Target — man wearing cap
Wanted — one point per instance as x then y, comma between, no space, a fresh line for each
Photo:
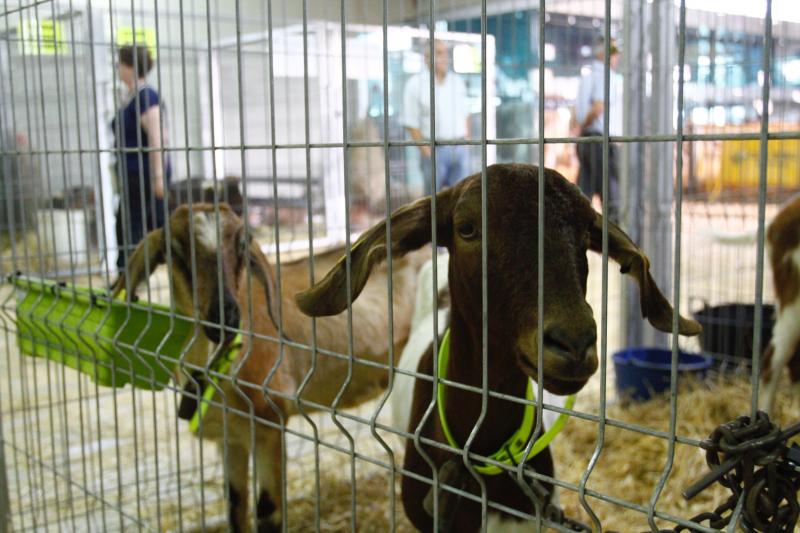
589,109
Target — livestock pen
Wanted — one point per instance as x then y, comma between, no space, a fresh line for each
293,113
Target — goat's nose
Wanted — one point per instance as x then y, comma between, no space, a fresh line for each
572,344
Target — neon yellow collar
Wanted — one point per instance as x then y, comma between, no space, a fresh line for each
512,452
223,366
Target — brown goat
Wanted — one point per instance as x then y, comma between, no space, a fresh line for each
783,247
570,358
263,385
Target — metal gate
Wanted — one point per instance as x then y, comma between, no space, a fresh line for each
299,108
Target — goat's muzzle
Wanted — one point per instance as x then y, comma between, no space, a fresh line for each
572,345
569,358
226,333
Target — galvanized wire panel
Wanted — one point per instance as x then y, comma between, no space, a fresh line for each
298,108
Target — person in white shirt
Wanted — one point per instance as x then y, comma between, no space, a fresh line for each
452,118
589,109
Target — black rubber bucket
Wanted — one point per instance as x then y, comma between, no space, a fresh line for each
728,329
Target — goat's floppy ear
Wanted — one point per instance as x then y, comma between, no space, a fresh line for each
633,261
259,266
411,229
139,262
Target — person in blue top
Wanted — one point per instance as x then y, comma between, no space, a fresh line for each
142,172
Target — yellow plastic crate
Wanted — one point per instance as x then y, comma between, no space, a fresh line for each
740,159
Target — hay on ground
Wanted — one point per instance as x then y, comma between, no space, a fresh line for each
631,464
629,468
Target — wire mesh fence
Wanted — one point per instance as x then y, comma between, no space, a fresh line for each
212,319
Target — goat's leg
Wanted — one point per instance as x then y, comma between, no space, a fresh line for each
785,338
236,459
268,472
769,380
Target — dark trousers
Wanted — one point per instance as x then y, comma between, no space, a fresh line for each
590,176
133,224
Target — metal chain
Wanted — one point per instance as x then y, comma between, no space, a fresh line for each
751,458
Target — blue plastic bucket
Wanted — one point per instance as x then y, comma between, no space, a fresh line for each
643,372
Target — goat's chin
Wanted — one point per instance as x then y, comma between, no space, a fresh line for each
556,382
563,388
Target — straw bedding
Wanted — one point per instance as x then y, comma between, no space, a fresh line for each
631,464
628,468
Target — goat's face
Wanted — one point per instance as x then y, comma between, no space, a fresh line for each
208,257
571,228
570,332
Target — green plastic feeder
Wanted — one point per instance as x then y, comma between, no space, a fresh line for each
110,340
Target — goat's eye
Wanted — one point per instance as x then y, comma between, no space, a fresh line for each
467,230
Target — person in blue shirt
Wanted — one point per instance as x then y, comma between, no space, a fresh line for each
142,171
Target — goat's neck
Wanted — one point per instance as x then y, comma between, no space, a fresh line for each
466,366
294,325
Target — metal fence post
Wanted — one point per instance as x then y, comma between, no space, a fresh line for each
104,189
657,180
5,514
8,168
647,181
632,170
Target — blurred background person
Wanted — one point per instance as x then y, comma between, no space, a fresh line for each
452,118
141,172
589,110
20,191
